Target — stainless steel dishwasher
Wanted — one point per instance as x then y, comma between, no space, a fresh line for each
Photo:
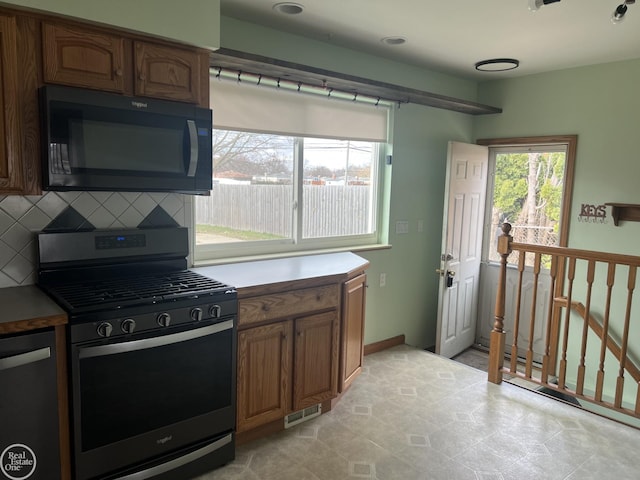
29,435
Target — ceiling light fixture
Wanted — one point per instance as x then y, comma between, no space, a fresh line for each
393,40
534,5
620,11
497,65
288,8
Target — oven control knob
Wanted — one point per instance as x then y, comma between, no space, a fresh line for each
104,329
196,314
128,325
215,311
164,319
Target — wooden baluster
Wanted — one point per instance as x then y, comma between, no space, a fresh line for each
548,359
516,323
611,275
532,320
571,275
496,348
591,268
553,320
631,285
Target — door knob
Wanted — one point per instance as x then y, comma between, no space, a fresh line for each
442,272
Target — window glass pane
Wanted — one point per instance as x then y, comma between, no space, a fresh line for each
527,193
257,205
252,195
339,186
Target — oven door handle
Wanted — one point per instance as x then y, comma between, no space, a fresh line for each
124,347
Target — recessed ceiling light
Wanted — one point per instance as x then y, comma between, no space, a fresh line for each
288,8
497,64
394,40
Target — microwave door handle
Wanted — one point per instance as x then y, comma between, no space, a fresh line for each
193,150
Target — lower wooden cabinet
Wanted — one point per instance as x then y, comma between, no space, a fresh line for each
278,375
315,369
264,370
297,347
352,343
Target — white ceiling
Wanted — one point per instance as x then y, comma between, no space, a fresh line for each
452,35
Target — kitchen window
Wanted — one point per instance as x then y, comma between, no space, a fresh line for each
291,172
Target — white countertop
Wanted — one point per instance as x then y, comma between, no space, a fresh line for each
267,272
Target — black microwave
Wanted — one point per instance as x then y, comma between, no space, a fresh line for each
102,141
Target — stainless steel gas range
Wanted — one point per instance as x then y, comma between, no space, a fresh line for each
151,353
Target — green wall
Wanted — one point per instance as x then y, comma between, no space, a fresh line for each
195,22
601,105
408,303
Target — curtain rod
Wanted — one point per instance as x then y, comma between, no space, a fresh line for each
258,79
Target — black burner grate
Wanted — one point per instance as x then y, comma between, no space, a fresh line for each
143,289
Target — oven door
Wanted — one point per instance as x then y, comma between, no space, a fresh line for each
151,394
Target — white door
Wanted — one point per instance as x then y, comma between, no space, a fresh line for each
465,192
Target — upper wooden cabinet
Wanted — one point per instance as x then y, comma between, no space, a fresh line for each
19,134
11,176
83,58
103,60
168,72
37,49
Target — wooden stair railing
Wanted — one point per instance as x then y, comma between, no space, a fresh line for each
561,264
596,327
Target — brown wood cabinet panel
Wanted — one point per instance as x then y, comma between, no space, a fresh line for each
352,343
286,304
316,359
30,54
168,72
11,167
264,372
83,57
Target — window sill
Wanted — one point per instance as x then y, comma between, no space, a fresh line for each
250,258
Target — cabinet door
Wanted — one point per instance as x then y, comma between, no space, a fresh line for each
168,72
83,58
316,359
353,305
11,173
264,360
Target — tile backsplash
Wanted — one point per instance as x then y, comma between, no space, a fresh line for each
21,217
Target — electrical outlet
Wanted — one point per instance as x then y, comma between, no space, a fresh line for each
383,279
420,225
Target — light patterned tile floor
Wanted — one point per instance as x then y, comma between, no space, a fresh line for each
413,415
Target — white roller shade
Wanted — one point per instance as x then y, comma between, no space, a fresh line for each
248,107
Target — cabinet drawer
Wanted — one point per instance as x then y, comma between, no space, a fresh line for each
287,304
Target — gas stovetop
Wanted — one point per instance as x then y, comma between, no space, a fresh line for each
113,270
79,296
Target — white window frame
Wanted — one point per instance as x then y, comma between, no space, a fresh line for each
224,252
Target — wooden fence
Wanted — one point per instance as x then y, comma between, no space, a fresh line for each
328,210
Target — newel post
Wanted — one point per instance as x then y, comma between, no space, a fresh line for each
496,347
